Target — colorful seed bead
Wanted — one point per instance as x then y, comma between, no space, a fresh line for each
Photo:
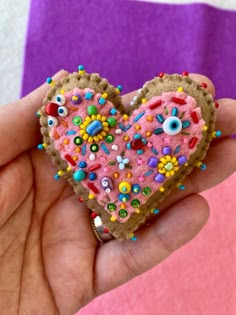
125,117
155,211
94,147
180,89
79,175
149,118
92,110
124,187
124,197
82,164
147,191
126,138
129,175
78,140
162,189
123,213
135,203
91,196
111,207
109,138
123,206
137,127
116,175
136,188
111,121
113,219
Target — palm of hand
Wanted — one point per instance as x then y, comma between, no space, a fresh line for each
49,257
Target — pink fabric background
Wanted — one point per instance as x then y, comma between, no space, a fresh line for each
198,279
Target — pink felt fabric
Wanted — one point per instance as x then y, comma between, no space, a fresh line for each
198,279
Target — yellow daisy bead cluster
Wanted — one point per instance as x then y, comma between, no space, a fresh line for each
98,136
168,165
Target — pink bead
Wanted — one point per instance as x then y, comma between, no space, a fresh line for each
149,144
141,178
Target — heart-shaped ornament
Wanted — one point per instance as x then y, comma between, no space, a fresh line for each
121,163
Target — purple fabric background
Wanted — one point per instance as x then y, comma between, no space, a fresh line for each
129,42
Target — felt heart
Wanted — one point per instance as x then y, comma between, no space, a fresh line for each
124,165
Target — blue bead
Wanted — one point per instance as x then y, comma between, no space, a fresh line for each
144,141
79,175
119,87
88,95
94,128
56,177
156,211
92,176
128,146
40,147
181,187
137,136
113,111
102,101
123,197
136,188
203,167
218,133
80,67
139,152
49,80
82,164
134,238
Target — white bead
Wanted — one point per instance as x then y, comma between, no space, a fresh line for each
139,91
92,157
135,98
132,103
118,131
114,147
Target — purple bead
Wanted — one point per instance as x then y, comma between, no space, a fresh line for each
166,150
152,161
159,178
78,101
182,159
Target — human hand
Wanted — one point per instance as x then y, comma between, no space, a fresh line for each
50,261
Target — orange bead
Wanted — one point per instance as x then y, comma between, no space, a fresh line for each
116,175
126,138
148,134
66,141
128,175
137,127
149,118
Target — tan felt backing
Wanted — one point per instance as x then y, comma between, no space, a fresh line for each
151,88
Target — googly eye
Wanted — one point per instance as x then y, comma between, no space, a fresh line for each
172,126
108,190
52,121
62,111
60,99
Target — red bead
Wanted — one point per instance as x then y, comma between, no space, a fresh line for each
155,104
185,74
51,109
161,74
94,167
194,117
192,142
93,188
70,160
204,85
137,144
217,105
106,230
93,215
179,101
80,199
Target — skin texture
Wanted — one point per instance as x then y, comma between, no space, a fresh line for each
50,261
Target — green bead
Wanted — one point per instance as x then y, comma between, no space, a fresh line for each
92,110
109,138
79,175
135,203
111,121
111,207
123,213
77,120
78,140
94,147
146,191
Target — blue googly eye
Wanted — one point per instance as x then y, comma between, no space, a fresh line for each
52,121
62,111
60,99
172,126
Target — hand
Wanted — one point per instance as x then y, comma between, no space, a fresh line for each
50,261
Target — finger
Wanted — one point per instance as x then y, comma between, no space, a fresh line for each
19,126
127,259
221,163
69,248
127,98
11,194
226,117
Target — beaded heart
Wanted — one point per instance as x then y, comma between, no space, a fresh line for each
123,165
